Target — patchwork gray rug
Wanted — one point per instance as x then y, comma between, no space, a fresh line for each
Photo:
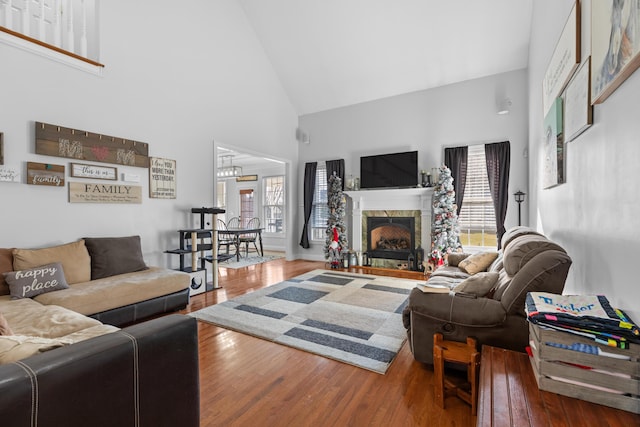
353,318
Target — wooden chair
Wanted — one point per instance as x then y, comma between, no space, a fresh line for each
233,222
224,239
456,352
250,237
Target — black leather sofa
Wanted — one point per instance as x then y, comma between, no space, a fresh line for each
145,375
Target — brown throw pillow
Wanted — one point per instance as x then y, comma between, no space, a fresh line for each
479,284
114,255
35,281
6,264
478,262
73,257
5,329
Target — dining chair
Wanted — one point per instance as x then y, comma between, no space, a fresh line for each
233,222
250,237
224,239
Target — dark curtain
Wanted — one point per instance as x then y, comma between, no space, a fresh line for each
456,159
336,166
309,187
498,161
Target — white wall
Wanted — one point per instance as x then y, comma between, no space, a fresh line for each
177,76
427,121
595,215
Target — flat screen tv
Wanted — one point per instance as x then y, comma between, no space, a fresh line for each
389,170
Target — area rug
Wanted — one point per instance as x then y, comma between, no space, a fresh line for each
353,318
245,262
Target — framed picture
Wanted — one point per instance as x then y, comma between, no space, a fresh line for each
80,170
615,45
162,178
245,178
553,173
578,111
1,149
564,61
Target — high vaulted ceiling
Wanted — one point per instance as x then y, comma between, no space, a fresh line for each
333,53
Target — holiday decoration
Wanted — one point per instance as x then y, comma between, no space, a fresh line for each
444,230
336,238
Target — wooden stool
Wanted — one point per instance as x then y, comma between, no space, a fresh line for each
456,352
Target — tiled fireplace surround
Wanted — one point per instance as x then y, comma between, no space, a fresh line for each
403,202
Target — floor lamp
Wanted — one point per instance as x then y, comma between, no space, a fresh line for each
519,195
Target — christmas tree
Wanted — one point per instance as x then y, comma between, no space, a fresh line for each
336,238
444,230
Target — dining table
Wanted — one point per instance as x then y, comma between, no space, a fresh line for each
236,233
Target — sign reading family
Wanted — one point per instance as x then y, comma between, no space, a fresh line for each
45,174
104,193
162,178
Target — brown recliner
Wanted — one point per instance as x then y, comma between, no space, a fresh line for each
528,262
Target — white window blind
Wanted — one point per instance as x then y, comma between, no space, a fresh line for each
320,212
477,218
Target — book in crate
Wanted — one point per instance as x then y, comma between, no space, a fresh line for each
612,379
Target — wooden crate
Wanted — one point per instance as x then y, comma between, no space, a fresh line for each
545,363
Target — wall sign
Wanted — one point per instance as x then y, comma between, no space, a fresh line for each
77,144
564,61
578,111
45,174
79,170
162,178
104,193
9,174
615,45
245,178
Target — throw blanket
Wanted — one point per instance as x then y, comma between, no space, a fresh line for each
591,316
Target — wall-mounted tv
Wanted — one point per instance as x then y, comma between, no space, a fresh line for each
389,170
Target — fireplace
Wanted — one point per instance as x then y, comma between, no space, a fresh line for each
390,237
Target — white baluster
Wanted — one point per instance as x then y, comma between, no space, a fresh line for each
41,28
83,36
56,22
8,14
70,35
26,18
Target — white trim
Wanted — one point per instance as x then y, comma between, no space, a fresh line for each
50,54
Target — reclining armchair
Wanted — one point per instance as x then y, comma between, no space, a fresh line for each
528,262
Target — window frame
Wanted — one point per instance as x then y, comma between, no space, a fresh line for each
320,208
281,206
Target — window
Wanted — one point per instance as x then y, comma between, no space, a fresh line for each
320,211
273,203
246,206
477,218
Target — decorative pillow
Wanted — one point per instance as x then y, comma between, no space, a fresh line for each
478,262
454,258
6,264
114,255
479,284
74,258
5,329
35,281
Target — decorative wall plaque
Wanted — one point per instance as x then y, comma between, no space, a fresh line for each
9,174
1,149
45,174
79,170
77,144
162,178
245,178
80,192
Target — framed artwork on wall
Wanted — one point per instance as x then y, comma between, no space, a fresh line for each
615,45
578,111
564,61
1,149
553,149
162,178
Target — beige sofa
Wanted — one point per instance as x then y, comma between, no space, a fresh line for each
491,312
107,279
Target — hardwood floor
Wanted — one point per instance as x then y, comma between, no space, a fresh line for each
248,381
